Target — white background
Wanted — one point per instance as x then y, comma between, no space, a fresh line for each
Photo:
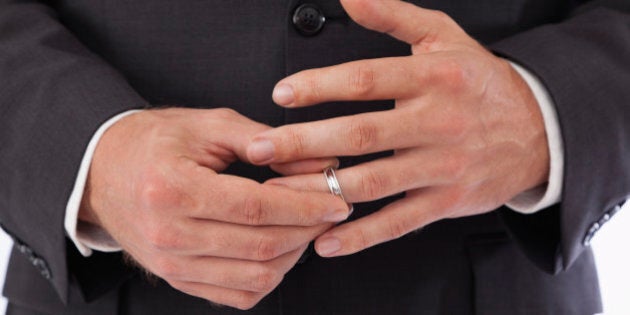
611,251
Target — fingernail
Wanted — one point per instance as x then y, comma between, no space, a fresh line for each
336,216
261,151
283,94
328,246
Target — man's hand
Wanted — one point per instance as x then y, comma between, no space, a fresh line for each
154,186
466,129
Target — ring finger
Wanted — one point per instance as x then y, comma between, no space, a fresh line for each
406,170
237,274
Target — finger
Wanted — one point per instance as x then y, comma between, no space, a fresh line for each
233,273
372,79
225,240
391,222
239,299
402,20
306,166
236,133
221,134
407,170
342,136
233,199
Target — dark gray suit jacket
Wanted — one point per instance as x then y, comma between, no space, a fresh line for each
67,66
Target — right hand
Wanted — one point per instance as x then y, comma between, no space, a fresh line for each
154,186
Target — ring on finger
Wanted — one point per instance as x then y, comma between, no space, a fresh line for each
333,185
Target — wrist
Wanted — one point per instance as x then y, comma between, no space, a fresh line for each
536,160
86,212
78,202
108,147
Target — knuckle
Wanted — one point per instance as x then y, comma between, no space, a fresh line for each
166,268
162,237
373,185
267,248
362,136
309,214
362,81
266,279
297,143
397,228
155,191
151,189
254,210
312,90
452,74
361,239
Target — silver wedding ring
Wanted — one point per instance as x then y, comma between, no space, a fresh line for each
333,185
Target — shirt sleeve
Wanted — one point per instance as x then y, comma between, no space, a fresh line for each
547,194
85,236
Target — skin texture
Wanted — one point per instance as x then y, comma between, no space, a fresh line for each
155,186
466,129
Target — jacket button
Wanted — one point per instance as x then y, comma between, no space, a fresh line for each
591,233
24,249
41,265
308,19
604,219
588,238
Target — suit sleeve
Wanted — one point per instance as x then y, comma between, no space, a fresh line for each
585,64
54,94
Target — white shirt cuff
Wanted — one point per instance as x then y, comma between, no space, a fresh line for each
550,193
85,236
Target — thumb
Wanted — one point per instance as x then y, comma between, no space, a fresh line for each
404,21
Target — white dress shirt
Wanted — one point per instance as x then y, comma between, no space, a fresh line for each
88,237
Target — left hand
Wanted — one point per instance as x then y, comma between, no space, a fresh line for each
467,131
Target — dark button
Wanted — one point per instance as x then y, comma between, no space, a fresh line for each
308,19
